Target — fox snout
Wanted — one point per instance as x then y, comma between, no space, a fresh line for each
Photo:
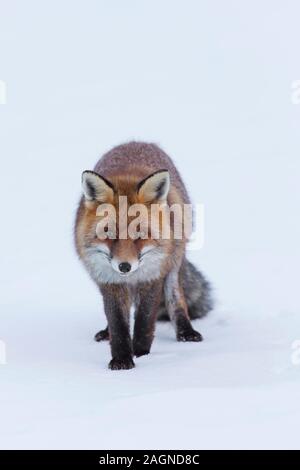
124,267
124,257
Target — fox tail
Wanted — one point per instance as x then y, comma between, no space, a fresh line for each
197,291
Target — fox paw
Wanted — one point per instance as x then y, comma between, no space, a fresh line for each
102,335
121,364
189,335
141,352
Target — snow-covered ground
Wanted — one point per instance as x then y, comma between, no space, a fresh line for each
211,82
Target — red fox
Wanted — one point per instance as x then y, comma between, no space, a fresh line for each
149,272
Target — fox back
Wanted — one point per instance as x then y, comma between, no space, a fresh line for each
140,159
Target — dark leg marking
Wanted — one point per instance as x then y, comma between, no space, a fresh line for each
145,316
117,306
102,335
184,329
177,309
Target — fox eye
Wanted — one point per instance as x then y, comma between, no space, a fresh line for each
141,235
110,234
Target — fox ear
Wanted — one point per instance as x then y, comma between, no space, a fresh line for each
155,186
95,187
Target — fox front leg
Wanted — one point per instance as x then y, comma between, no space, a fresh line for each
147,303
177,309
117,307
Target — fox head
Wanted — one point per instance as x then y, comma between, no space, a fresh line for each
117,236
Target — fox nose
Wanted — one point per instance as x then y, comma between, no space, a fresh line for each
124,267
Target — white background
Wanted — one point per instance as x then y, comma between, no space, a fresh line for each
210,81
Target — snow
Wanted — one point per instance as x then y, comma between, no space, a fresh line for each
211,82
